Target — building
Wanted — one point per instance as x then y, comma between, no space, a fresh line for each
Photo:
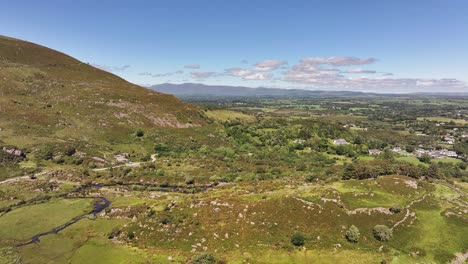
374,151
397,149
340,141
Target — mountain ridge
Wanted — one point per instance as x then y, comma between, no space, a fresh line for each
198,89
46,95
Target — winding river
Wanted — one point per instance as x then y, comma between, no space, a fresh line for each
101,204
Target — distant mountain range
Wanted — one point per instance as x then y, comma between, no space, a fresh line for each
197,89
202,90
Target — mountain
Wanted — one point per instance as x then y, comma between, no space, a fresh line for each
197,89
47,96
201,90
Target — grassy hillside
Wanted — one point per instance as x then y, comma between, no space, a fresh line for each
49,100
47,95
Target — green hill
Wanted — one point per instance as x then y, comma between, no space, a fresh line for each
49,97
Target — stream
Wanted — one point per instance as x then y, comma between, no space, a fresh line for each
101,204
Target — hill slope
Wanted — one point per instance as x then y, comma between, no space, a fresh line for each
47,96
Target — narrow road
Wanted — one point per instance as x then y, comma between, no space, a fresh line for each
25,177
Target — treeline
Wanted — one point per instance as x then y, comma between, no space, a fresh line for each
379,167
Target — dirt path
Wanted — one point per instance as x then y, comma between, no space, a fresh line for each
460,258
25,177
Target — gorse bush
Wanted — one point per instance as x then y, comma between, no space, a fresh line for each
189,180
352,235
395,209
382,233
298,239
203,259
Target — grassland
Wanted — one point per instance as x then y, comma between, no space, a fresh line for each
229,115
21,224
235,180
227,219
444,119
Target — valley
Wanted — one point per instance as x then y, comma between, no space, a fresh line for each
94,169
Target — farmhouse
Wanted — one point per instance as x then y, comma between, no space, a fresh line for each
340,141
374,151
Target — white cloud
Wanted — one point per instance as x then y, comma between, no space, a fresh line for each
258,76
238,72
338,61
269,65
361,71
311,72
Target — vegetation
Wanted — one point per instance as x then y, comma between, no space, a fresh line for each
298,239
234,176
352,235
203,259
382,232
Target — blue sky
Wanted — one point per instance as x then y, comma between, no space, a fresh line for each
382,46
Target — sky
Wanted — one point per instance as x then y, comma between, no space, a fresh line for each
378,46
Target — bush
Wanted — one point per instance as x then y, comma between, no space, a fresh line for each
352,235
382,232
203,259
298,239
139,133
425,158
69,150
114,233
46,155
77,161
189,180
130,235
395,209
311,178
59,160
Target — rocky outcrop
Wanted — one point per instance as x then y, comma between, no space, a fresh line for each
14,151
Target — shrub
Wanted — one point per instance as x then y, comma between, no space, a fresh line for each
69,150
114,233
189,180
382,232
311,178
203,259
77,161
59,160
165,221
425,158
139,133
130,235
395,209
352,235
298,239
46,155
